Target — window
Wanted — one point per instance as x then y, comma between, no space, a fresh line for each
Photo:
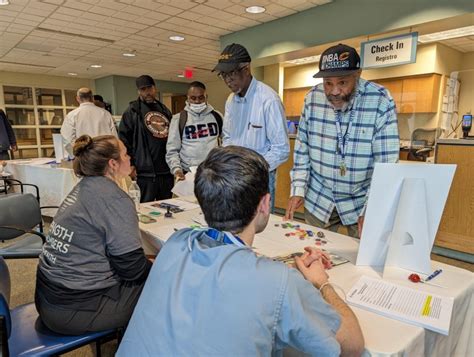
36,114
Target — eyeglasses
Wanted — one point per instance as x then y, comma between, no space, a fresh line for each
231,74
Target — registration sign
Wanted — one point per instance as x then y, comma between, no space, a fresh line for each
390,51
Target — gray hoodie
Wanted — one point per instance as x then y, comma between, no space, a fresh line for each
200,136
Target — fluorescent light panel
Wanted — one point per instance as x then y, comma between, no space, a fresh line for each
305,60
446,35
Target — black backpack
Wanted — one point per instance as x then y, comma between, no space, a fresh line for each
183,118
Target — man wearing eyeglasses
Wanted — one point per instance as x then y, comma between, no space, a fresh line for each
254,115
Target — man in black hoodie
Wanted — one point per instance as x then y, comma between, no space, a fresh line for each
144,131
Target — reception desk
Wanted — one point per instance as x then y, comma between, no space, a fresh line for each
456,230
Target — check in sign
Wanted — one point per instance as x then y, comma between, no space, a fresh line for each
391,51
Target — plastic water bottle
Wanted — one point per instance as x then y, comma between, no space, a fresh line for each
134,193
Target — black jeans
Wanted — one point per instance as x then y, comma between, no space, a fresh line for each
157,188
4,155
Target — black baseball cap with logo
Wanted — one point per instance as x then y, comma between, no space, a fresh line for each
337,61
144,81
232,56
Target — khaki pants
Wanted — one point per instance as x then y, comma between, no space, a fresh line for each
333,224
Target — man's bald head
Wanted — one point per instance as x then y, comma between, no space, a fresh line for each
84,95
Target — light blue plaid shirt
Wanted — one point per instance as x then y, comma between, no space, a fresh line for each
257,121
373,137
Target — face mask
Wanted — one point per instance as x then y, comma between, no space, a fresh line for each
198,108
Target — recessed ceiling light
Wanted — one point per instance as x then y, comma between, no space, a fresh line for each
72,74
129,54
255,9
176,38
4,2
96,66
445,35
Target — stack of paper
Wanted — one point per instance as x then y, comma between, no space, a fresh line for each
415,307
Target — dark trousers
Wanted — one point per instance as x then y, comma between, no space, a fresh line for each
4,155
157,188
333,224
109,314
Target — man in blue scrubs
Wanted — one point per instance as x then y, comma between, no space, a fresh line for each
254,115
209,294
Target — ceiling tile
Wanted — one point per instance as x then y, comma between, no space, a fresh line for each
190,15
169,10
184,4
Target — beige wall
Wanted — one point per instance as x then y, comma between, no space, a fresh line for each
217,92
41,80
301,76
273,75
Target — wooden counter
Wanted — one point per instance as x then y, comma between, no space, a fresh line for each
456,230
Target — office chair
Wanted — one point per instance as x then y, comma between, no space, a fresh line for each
422,142
21,214
23,334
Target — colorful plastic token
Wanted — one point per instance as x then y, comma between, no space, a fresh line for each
321,234
318,243
155,213
415,278
310,233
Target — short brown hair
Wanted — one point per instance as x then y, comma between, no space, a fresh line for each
92,155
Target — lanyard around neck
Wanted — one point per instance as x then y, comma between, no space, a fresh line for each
342,140
228,238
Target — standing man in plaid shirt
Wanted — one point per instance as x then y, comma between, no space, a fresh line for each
347,125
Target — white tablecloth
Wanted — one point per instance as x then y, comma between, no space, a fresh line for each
54,182
383,336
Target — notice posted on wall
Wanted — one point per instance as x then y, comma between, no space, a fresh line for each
409,305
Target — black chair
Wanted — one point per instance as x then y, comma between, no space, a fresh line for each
21,214
23,334
422,143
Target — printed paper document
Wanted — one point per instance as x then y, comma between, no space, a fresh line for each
427,310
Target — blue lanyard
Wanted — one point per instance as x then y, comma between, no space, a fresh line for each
342,140
229,238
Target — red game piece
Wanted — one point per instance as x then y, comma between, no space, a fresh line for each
415,278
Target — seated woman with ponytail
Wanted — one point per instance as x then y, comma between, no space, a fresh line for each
92,269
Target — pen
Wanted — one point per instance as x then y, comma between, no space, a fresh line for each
435,273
